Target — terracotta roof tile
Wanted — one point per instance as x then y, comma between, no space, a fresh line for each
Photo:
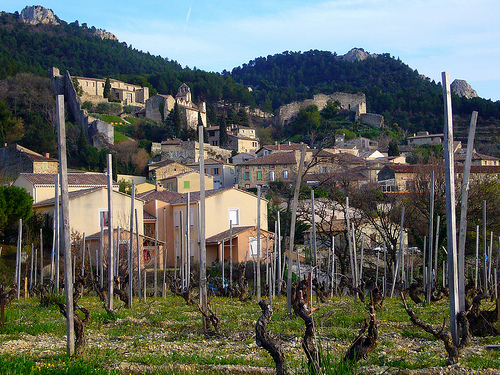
164,195
74,179
274,158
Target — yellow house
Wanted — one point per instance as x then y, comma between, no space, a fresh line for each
186,182
88,208
41,186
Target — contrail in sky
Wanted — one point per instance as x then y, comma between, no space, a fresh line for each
187,17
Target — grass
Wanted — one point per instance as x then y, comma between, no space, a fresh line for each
165,336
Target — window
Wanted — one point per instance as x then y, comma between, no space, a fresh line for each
216,171
271,176
246,176
247,186
285,174
259,166
169,186
253,246
171,154
45,165
234,216
271,166
185,153
259,175
246,166
187,184
177,153
103,219
129,97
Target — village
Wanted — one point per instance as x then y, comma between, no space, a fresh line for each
206,206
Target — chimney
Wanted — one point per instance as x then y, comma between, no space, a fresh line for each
159,186
278,146
47,155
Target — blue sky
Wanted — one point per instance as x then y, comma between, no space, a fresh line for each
458,36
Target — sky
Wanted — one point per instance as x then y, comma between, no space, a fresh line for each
431,36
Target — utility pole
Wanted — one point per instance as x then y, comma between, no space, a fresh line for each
203,249
258,245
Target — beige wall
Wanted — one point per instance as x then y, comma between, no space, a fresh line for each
41,193
84,211
192,178
217,216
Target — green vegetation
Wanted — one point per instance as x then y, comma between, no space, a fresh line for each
164,336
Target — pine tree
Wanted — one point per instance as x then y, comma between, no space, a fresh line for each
107,89
223,138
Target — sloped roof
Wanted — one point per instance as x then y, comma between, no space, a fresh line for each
71,195
283,147
164,195
459,156
74,179
148,217
274,158
225,235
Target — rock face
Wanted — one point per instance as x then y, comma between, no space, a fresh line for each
357,54
103,34
37,14
463,89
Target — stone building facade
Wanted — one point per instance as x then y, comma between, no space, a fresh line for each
159,106
128,94
16,159
263,170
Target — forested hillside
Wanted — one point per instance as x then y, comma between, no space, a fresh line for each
392,88
35,49
408,101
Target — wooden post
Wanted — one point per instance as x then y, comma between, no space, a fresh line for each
203,249
83,259
333,278
145,286
490,257
35,271
111,249
165,252
25,288
41,257
231,255
32,258
57,223
292,232
101,254
17,275
398,259
450,211
424,279
130,259
65,235
463,211
436,249
117,251
258,245
315,259
476,272
280,272
485,250
385,269
53,251
155,291
349,241
431,238
139,255
188,241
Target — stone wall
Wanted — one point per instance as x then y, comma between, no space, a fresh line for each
98,132
372,119
351,102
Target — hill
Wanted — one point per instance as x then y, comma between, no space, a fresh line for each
393,89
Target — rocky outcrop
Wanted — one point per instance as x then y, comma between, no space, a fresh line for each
463,89
103,34
37,14
357,54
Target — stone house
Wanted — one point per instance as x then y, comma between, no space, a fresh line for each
241,143
278,147
223,173
424,138
165,168
16,159
159,106
127,93
397,178
263,170
41,186
188,152
241,157
477,158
